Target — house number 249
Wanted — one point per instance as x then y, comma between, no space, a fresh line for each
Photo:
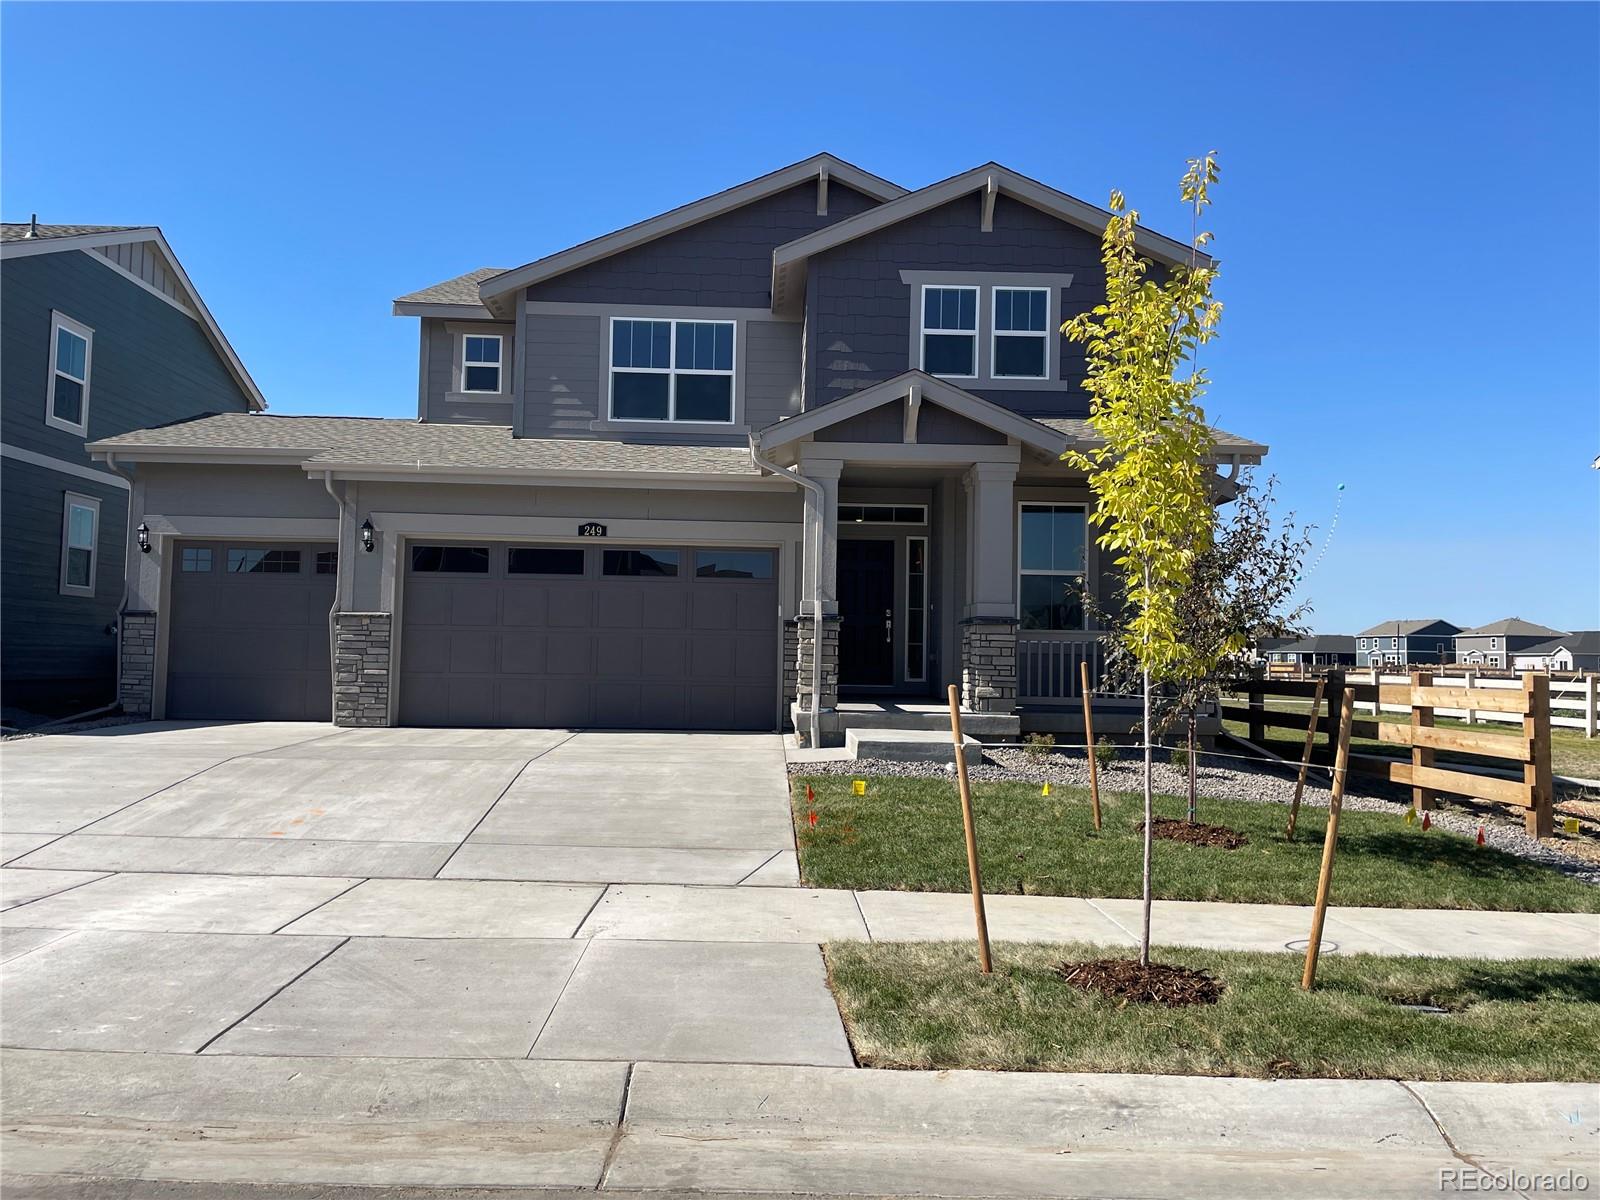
591,529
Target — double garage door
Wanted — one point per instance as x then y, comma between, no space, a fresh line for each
591,636
248,631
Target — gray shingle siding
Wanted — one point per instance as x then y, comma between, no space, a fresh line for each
723,262
860,311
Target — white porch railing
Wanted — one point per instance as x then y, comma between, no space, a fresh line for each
1048,665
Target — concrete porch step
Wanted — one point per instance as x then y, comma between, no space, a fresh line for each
910,745
854,714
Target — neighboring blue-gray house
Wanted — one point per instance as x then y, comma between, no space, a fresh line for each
1402,643
1495,644
792,445
100,332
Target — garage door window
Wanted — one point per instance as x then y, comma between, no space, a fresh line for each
264,562
327,562
544,560
197,559
733,564
457,560
641,563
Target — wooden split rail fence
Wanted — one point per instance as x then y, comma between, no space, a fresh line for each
1527,752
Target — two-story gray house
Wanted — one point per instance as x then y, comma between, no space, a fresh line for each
1495,644
651,474
1403,643
101,331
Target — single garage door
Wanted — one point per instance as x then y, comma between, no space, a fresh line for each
610,637
248,634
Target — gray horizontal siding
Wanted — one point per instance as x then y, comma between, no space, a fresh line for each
722,262
151,364
48,636
860,312
771,371
443,376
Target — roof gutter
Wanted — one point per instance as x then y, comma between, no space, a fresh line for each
820,498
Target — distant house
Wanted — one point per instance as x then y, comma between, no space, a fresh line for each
1268,646
1495,644
1570,652
1401,643
1318,650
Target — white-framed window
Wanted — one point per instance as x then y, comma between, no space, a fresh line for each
1020,347
1363,643
916,609
80,531
950,331
1494,643
1052,566
672,370
1394,643
66,403
480,362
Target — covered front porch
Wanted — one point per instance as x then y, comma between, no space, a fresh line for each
945,542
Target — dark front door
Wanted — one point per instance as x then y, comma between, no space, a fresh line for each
866,612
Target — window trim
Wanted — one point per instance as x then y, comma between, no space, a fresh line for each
996,333
1088,559
977,328
60,320
499,367
69,501
671,371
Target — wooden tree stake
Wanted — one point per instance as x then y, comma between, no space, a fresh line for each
971,831
1341,767
1088,741
1540,817
1305,757
1422,799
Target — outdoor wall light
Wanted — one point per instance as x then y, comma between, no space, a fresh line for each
366,535
144,538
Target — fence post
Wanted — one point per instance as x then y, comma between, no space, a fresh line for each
1472,682
1422,798
1258,703
1536,774
1377,699
1591,705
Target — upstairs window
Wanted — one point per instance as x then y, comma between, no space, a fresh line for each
1021,333
80,527
950,331
480,362
1052,564
672,370
67,405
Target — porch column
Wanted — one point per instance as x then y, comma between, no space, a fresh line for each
819,577
989,623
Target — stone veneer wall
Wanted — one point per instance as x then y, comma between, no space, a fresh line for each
803,642
138,650
791,667
989,666
361,668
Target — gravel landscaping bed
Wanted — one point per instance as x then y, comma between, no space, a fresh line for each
1218,777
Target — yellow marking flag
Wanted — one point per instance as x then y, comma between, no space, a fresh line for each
1411,816
1570,824
858,786
1045,790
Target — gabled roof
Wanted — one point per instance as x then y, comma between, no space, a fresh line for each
496,291
1583,641
1511,627
458,293
1321,643
789,260
1407,628
90,237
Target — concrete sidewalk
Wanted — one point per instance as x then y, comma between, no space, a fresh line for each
720,1129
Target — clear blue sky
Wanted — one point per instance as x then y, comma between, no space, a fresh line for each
1407,217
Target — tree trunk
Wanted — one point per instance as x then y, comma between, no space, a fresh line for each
1149,827
1192,814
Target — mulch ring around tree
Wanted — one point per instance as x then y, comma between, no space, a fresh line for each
1196,834
1123,979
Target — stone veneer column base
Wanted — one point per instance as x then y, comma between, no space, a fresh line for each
361,668
804,642
989,665
137,647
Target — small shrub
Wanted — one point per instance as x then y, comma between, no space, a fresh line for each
1179,758
1037,746
1105,753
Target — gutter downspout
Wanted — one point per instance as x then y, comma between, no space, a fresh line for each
340,566
818,495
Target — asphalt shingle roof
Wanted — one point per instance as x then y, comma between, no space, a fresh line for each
388,442
1406,628
17,231
463,289
1322,643
1584,641
1513,627
1079,429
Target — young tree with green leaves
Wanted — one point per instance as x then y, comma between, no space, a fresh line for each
1149,473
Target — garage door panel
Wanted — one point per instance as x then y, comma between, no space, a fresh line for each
671,652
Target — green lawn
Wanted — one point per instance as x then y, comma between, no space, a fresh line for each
925,1006
906,834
